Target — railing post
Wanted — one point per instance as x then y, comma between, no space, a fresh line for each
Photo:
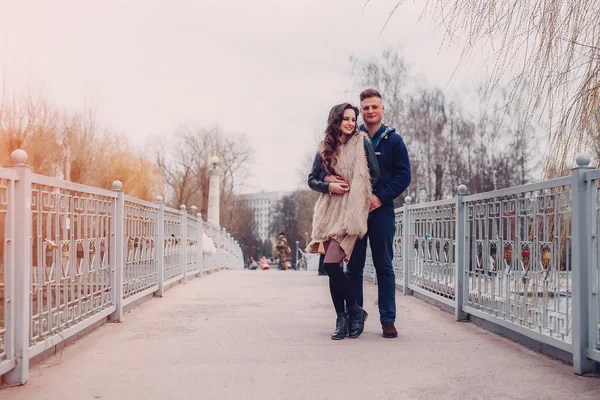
184,243
406,246
22,267
460,248
223,257
195,255
117,250
210,232
200,244
160,247
227,261
582,211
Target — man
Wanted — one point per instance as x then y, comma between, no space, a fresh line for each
282,250
394,166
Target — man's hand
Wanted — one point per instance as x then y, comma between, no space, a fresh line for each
375,203
338,188
334,179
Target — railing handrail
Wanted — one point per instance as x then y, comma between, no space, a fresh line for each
431,204
66,185
144,203
6,173
531,187
591,175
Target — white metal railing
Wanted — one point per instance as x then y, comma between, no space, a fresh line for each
67,282
72,255
592,189
8,179
398,243
312,261
140,275
520,269
431,259
193,244
525,258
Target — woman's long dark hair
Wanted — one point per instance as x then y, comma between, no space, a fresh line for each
332,135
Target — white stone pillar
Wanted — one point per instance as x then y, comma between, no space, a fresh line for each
214,192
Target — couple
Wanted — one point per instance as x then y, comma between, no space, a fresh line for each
359,172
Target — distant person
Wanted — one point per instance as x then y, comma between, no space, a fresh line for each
340,214
252,264
283,249
264,263
394,165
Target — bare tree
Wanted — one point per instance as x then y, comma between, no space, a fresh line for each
180,167
305,212
185,162
460,137
556,44
309,156
244,229
30,122
388,73
72,146
448,146
425,123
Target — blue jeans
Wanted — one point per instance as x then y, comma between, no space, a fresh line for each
381,230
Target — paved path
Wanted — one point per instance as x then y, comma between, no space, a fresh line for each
265,335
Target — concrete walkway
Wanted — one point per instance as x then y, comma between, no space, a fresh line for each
265,335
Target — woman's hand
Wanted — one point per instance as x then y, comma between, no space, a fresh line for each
334,179
338,188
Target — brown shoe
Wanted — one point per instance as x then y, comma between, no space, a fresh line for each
389,330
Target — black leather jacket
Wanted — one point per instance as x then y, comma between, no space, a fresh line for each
316,184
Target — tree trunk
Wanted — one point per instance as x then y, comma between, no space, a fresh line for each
439,173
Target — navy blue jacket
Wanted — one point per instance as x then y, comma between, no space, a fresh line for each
394,165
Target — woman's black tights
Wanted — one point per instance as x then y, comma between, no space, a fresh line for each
339,286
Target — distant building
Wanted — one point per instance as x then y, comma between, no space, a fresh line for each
262,206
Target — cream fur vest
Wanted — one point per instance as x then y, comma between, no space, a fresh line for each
340,215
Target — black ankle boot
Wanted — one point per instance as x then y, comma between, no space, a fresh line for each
340,327
357,317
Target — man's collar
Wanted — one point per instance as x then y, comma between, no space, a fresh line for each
379,132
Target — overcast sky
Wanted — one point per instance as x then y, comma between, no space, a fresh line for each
271,69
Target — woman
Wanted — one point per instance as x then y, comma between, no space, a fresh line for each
341,212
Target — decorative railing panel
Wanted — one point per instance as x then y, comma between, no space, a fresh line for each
520,262
173,246
431,264
70,271
141,235
208,259
194,245
398,249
